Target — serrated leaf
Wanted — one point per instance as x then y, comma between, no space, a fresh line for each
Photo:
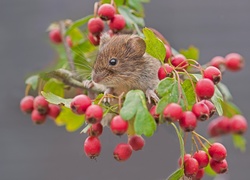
78,23
71,120
209,171
189,93
33,81
230,109
239,142
134,107
54,86
225,91
54,99
191,53
154,46
217,100
178,174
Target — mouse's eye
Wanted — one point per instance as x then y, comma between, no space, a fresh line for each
113,62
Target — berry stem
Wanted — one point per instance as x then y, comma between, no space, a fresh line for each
200,136
40,85
27,89
96,6
120,100
194,142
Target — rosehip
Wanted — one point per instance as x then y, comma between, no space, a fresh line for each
223,125
204,88
41,104
201,111
38,118
179,61
106,12
168,52
154,114
118,126
55,36
117,23
218,62
202,158
199,174
92,147
238,124
95,130
95,25
136,142
122,152
172,112
80,103
217,151
219,167
213,74
186,156
165,71
95,40
54,110
188,121
93,114
234,62
26,104
210,106
191,167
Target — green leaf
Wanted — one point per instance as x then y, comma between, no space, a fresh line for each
33,81
117,2
166,85
239,142
209,171
230,109
225,91
191,53
54,86
76,35
154,46
178,174
217,99
189,93
137,6
135,107
54,99
71,120
197,76
78,23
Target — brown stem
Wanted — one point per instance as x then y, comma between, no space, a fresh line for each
27,89
120,101
96,6
196,145
66,46
200,136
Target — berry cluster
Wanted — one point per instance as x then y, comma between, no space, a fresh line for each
106,12
39,108
55,37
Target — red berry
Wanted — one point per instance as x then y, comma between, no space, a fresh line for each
69,41
38,118
95,26
188,121
41,104
154,114
234,62
93,114
179,61
95,40
210,106
186,156
202,158
80,103
219,126
199,174
212,129
219,167
165,71
95,130
168,52
238,124
92,147
205,88
54,110
117,23
136,142
213,73
172,112
122,152
191,167
26,104
218,62
217,151
106,12
55,36
118,126
201,111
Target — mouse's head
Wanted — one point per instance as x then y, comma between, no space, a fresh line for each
118,59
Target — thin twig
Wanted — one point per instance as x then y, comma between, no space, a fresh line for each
27,89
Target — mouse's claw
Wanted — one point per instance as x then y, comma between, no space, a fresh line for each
106,92
151,94
88,84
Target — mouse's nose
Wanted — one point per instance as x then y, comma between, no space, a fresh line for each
96,78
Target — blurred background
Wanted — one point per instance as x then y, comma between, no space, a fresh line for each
48,152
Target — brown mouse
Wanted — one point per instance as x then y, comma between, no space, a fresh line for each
123,65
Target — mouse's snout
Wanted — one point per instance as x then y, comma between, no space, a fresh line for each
97,78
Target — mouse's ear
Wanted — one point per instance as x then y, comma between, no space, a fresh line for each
136,46
105,37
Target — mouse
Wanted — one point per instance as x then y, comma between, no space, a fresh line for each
122,64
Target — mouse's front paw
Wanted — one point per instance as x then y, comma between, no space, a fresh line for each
88,84
151,94
107,92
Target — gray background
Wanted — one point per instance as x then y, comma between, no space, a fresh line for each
48,152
